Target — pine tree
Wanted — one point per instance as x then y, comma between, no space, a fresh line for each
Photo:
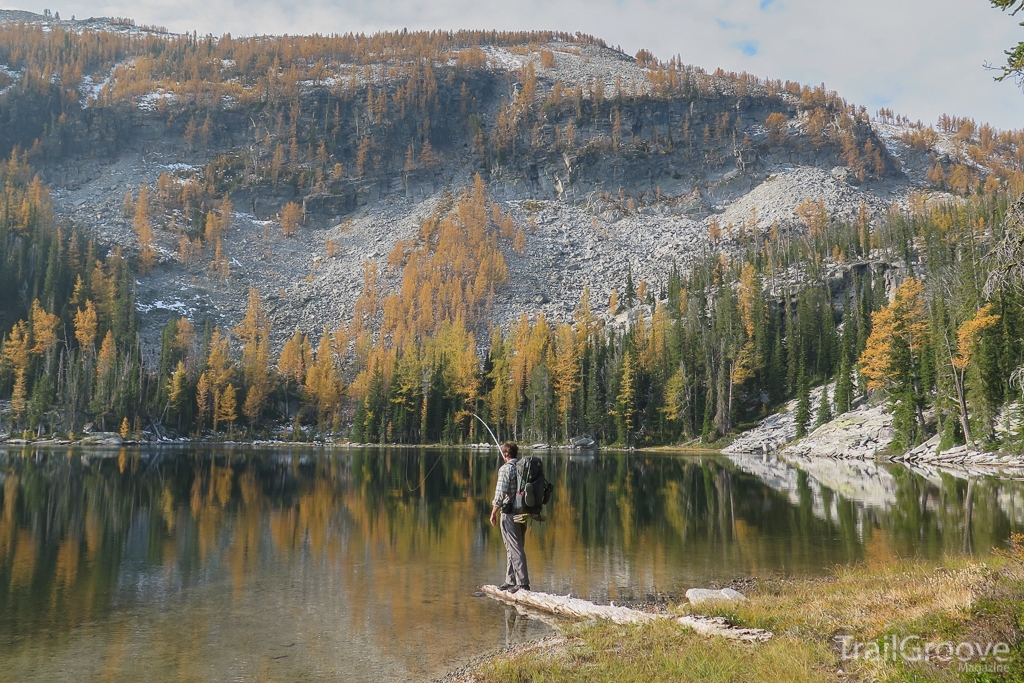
629,294
844,388
803,404
824,410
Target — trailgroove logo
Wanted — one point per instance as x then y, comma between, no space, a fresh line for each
973,657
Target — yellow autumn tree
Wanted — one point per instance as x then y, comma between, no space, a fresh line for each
776,126
218,363
891,360
185,341
968,336
625,400
291,214
565,372
322,382
105,369
500,400
86,324
751,310
226,406
140,222
202,399
253,332
16,357
814,215
44,329
293,361
176,385
613,302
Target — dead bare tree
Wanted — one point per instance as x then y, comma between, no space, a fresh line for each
1008,255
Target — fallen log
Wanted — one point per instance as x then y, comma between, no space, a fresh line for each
567,606
576,608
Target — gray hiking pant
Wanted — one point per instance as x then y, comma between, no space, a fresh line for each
514,536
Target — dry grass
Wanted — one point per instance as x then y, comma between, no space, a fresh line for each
660,651
957,600
865,602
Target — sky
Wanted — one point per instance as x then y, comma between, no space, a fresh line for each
919,58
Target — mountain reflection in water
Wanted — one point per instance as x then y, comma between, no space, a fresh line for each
302,564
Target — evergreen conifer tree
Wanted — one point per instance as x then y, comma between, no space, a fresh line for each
844,388
803,404
824,409
629,296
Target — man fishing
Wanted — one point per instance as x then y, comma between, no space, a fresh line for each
513,524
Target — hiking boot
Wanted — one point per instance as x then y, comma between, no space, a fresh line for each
525,588
511,587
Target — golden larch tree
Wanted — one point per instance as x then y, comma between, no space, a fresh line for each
86,324
291,214
968,335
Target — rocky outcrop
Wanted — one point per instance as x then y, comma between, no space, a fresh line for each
773,432
962,457
861,433
103,439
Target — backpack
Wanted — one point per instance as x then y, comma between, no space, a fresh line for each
533,491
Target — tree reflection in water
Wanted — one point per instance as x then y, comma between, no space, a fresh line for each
297,562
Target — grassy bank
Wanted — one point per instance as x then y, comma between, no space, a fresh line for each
871,608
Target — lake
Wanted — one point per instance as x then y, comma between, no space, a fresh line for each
296,564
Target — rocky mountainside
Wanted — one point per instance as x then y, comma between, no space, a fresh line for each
614,169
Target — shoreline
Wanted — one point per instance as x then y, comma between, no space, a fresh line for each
968,463
106,441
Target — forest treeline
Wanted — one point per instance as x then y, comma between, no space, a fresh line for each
897,307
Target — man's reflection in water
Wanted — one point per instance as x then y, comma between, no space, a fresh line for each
515,626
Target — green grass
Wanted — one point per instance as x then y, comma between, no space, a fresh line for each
956,600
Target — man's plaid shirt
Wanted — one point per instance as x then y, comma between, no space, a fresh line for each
506,488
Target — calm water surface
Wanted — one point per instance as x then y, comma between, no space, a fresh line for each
203,564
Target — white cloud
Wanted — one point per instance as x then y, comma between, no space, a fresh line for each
918,57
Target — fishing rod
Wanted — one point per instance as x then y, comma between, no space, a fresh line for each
492,435
496,443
